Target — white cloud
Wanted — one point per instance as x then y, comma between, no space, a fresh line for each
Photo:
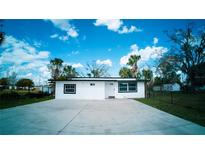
104,62
116,25
75,52
37,44
112,24
24,59
126,30
72,32
65,26
28,75
77,65
155,40
147,53
54,36
62,37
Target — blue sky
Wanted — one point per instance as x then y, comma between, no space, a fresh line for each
30,44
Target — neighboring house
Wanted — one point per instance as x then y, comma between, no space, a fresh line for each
47,89
167,87
156,88
99,88
171,87
44,88
13,87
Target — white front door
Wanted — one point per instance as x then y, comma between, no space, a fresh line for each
109,89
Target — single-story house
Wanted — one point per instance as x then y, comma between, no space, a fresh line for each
99,88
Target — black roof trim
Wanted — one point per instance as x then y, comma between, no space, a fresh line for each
93,79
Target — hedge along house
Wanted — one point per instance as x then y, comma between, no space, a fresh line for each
99,88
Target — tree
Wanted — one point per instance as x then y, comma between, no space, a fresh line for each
12,79
69,72
167,70
2,34
147,74
97,70
199,75
158,81
55,68
188,50
4,82
132,61
125,72
25,83
1,37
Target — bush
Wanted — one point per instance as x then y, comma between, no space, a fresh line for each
9,95
12,95
36,95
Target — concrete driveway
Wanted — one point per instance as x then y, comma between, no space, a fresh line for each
120,117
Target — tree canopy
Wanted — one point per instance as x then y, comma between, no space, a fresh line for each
69,72
147,74
188,50
4,81
167,70
125,72
132,61
25,83
2,34
56,67
97,70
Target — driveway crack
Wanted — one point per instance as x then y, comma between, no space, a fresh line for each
72,119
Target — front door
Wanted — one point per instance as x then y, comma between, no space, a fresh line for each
109,89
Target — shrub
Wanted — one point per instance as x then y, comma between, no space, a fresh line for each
9,95
36,95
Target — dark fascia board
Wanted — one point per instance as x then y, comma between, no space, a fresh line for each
95,79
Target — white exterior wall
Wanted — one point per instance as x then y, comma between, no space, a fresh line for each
83,90
139,94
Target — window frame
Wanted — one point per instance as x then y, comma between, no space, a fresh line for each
64,89
128,84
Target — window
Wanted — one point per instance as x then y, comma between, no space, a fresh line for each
92,84
127,87
132,86
69,88
123,87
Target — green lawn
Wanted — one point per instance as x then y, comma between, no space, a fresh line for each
12,103
187,106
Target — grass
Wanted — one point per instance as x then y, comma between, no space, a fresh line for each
187,106
22,99
14,103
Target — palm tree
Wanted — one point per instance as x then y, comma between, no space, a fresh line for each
132,61
55,68
147,74
69,71
125,72
97,70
